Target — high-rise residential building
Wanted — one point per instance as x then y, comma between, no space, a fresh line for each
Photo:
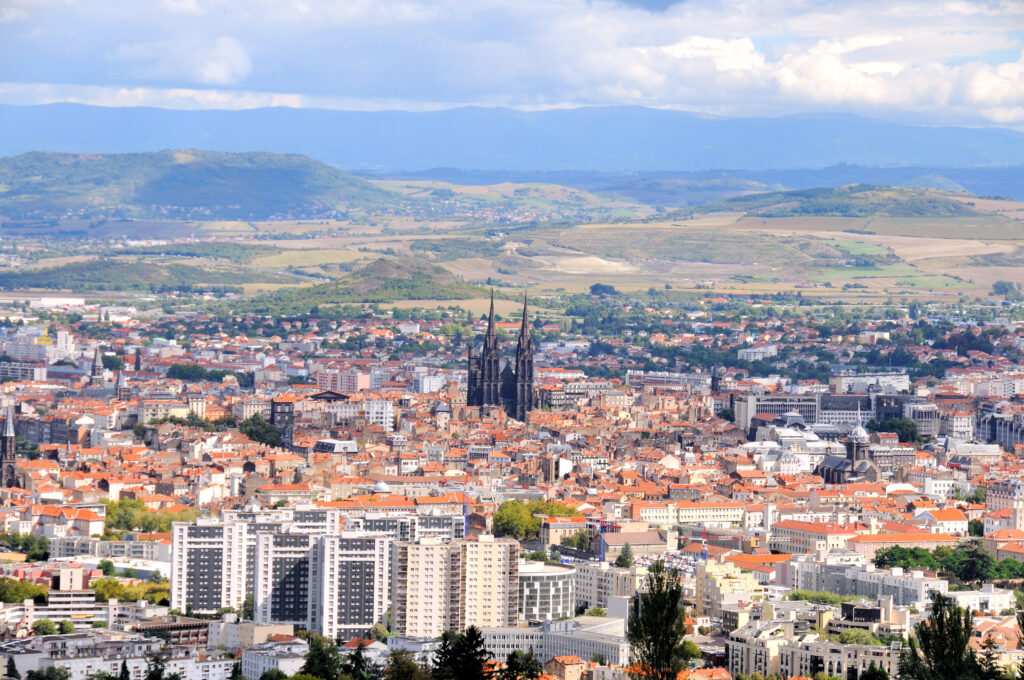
355,589
213,563
337,585
438,586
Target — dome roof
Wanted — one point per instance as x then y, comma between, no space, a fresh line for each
859,434
381,487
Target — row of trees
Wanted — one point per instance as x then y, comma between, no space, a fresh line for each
969,562
36,549
131,514
460,656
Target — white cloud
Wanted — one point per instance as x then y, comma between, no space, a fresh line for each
939,60
223,61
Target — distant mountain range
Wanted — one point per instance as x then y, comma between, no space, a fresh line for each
91,191
608,140
181,185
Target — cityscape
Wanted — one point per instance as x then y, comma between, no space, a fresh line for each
454,340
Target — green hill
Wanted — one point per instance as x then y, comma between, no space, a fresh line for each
384,280
182,185
853,200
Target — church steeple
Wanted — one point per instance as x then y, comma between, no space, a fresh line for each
524,329
96,378
491,333
8,452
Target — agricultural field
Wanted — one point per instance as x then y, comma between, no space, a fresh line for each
748,246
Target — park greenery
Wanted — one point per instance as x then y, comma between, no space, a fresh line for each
130,514
110,588
35,549
16,590
522,520
256,428
196,373
821,597
969,562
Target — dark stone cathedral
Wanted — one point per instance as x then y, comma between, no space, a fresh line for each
509,386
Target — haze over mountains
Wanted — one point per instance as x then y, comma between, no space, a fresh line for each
612,139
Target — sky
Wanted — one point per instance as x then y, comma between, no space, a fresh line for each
931,62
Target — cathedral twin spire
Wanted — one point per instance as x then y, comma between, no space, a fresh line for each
510,387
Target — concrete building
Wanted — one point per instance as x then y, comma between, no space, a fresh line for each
582,636
755,647
808,656
749,405
233,634
213,563
546,591
595,582
287,657
848,573
87,653
438,586
721,584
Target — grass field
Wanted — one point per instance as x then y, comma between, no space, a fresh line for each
308,258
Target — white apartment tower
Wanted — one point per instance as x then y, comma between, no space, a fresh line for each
438,586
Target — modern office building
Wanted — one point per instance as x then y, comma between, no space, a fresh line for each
546,591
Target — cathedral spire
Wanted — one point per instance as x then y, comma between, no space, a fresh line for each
524,330
490,318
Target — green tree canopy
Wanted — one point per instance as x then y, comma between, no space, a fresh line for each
401,665
520,665
518,520
260,430
940,648
656,629
44,627
323,660
625,558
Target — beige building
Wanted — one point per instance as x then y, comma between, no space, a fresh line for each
723,584
439,586
808,656
755,647
597,581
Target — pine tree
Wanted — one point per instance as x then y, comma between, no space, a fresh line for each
357,665
472,656
12,670
656,627
988,661
444,656
125,674
941,650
